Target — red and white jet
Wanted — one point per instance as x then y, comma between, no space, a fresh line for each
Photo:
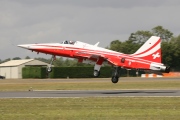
147,57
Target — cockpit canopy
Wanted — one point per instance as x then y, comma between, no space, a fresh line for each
68,42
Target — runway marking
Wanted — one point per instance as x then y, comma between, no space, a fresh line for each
89,93
91,97
105,90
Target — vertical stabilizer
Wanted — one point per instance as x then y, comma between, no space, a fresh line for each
150,50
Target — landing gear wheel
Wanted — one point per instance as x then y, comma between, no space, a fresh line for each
49,69
96,73
115,75
115,79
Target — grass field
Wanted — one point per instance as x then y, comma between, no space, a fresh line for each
92,108
88,84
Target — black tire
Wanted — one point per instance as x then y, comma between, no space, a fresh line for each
96,73
115,79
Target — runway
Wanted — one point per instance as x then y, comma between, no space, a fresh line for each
48,93
90,93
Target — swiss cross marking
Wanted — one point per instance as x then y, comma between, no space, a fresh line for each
156,55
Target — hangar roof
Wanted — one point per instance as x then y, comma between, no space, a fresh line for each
20,62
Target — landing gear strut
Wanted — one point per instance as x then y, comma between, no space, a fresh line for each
49,68
115,75
97,66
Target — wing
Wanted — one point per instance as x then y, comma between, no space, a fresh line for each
94,56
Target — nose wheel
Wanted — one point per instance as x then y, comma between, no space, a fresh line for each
49,68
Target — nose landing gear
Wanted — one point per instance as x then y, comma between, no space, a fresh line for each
49,68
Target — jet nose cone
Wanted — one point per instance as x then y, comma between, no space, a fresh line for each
24,46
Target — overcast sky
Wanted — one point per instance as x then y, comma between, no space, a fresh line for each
46,21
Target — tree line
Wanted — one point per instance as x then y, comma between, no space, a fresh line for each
170,48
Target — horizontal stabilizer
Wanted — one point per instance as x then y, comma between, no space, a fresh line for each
96,44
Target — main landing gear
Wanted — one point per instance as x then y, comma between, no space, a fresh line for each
49,68
96,73
115,75
97,66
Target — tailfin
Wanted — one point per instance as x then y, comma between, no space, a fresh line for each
150,50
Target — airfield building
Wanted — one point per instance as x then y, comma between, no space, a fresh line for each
13,68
